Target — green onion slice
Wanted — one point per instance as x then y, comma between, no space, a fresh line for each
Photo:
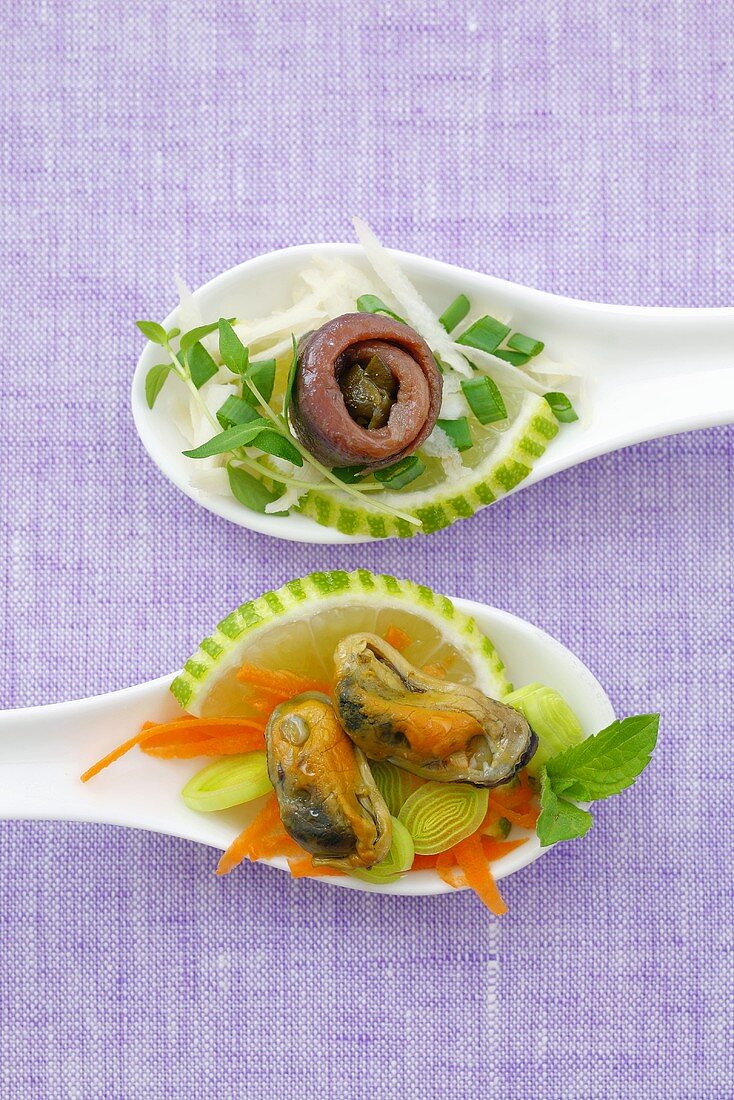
370,303
397,861
525,344
439,815
563,410
455,313
392,783
228,782
517,358
350,475
485,399
457,431
402,473
486,334
552,719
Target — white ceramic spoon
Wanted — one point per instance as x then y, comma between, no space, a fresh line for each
650,372
43,750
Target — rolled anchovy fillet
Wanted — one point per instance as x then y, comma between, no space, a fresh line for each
367,391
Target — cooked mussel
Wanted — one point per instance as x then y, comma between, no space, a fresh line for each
440,730
328,800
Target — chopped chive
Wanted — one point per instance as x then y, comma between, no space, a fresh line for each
236,410
402,473
526,344
457,431
485,399
201,365
455,313
370,303
262,376
486,334
348,474
517,358
563,410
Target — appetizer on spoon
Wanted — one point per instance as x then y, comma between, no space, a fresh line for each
374,394
358,728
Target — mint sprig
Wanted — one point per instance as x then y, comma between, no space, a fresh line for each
599,767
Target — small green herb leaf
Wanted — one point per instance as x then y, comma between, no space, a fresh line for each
350,475
154,380
262,376
251,492
195,334
273,443
486,334
201,365
402,473
240,435
153,332
370,303
455,313
234,354
291,378
235,410
559,819
563,410
606,763
485,399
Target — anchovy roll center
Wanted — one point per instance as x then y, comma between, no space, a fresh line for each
367,391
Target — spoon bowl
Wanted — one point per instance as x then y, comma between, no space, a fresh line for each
647,372
44,750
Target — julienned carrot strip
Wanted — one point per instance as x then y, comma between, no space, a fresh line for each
470,856
266,821
397,638
435,670
423,863
496,849
212,746
526,820
180,731
448,871
118,752
280,682
304,867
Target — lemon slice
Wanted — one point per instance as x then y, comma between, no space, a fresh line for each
298,627
500,460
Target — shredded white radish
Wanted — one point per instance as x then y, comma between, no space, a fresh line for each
293,493
412,305
453,402
213,480
501,370
440,446
189,314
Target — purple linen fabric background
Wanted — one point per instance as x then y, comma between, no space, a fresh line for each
585,148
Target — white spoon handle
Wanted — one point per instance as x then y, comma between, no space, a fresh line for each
44,750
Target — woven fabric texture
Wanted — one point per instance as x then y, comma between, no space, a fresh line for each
574,145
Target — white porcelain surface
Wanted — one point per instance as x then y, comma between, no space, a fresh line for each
43,750
651,372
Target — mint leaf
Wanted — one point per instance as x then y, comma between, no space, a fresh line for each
154,380
234,354
251,492
559,819
241,435
201,365
606,763
153,332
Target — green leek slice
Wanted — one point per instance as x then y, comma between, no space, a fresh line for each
552,719
397,861
439,815
392,783
228,782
